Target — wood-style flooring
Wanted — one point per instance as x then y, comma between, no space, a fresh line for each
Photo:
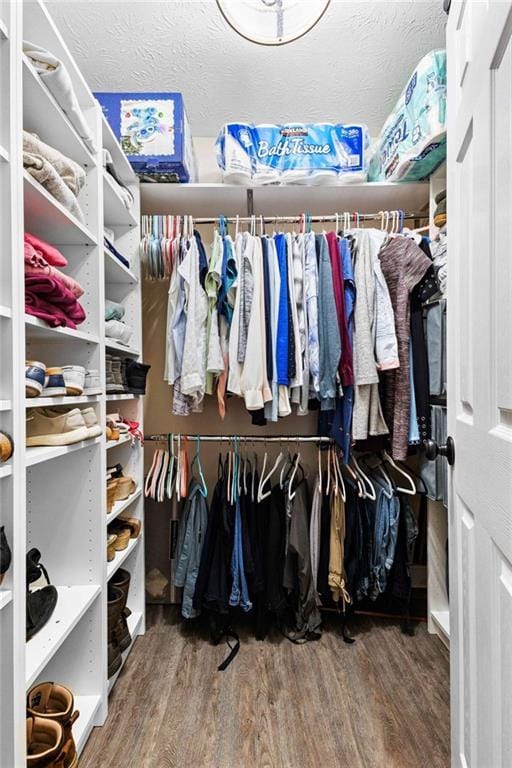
382,702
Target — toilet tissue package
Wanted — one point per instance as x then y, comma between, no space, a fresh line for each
293,153
412,142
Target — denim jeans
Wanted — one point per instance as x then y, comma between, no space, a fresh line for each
239,591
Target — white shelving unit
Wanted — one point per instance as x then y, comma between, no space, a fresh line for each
54,498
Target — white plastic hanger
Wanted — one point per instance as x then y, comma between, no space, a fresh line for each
264,479
319,468
339,475
292,478
369,488
411,490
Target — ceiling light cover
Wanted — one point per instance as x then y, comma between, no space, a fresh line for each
272,22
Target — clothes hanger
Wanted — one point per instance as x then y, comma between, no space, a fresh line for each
319,459
340,475
197,460
288,460
328,484
411,490
297,465
369,488
265,478
170,472
374,465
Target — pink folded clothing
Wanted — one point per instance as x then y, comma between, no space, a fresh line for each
37,265
52,256
48,298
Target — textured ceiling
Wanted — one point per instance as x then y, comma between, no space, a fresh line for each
350,67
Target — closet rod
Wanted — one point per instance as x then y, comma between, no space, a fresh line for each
288,219
241,438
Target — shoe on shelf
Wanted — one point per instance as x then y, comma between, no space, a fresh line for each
116,421
123,535
91,422
115,602
54,384
114,471
74,379
92,382
118,330
111,386
121,580
111,550
51,427
45,742
112,434
125,487
52,701
6,446
136,374
133,524
111,494
5,554
35,373
41,602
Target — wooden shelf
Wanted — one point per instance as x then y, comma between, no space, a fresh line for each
442,621
5,311
5,470
5,405
121,557
5,597
118,347
4,155
72,603
39,402
48,219
35,455
111,398
122,441
121,163
134,623
115,272
37,328
117,215
4,32
43,115
88,707
120,506
212,200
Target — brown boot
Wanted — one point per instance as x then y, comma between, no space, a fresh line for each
51,701
45,740
121,580
114,610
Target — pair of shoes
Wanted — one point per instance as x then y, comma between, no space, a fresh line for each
116,602
6,446
111,551
119,631
53,382
136,374
119,489
116,426
41,602
124,528
50,719
115,383
60,426
5,554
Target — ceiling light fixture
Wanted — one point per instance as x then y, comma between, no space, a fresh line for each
272,22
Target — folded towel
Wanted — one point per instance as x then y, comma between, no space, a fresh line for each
34,267
113,310
70,172
48,252
56,78
118,331
46,175
48,298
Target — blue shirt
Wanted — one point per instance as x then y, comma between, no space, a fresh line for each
282,321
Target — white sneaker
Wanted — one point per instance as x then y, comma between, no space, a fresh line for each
46,427
91,422
74,378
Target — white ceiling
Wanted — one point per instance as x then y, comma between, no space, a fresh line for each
350,68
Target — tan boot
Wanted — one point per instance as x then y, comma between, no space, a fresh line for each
111,493
51,701
45,741
121,580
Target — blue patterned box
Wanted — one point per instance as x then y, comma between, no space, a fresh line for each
154,132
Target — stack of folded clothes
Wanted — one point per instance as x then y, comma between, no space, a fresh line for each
58,174
110,247
115,327
121,189
50,294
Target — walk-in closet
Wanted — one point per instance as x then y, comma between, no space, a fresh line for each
255,399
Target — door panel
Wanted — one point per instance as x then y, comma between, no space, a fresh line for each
480,379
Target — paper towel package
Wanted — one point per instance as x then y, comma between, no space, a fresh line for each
412,143
293,153
154,133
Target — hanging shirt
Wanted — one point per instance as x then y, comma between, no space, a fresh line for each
311,294
193,369
403,265
272,408
328,329
282,323
214,360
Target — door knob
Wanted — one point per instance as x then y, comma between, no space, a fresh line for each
433,450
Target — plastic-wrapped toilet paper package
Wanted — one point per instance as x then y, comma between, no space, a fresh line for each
293,153
412,142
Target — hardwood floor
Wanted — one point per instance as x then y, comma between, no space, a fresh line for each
382,702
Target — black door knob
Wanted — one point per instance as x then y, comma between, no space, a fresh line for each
433,450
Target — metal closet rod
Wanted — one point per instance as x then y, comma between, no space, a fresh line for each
288,219
241,438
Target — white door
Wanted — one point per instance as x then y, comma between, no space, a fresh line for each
480,379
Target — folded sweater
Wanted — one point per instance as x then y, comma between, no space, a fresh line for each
35,265
48,298
51,254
